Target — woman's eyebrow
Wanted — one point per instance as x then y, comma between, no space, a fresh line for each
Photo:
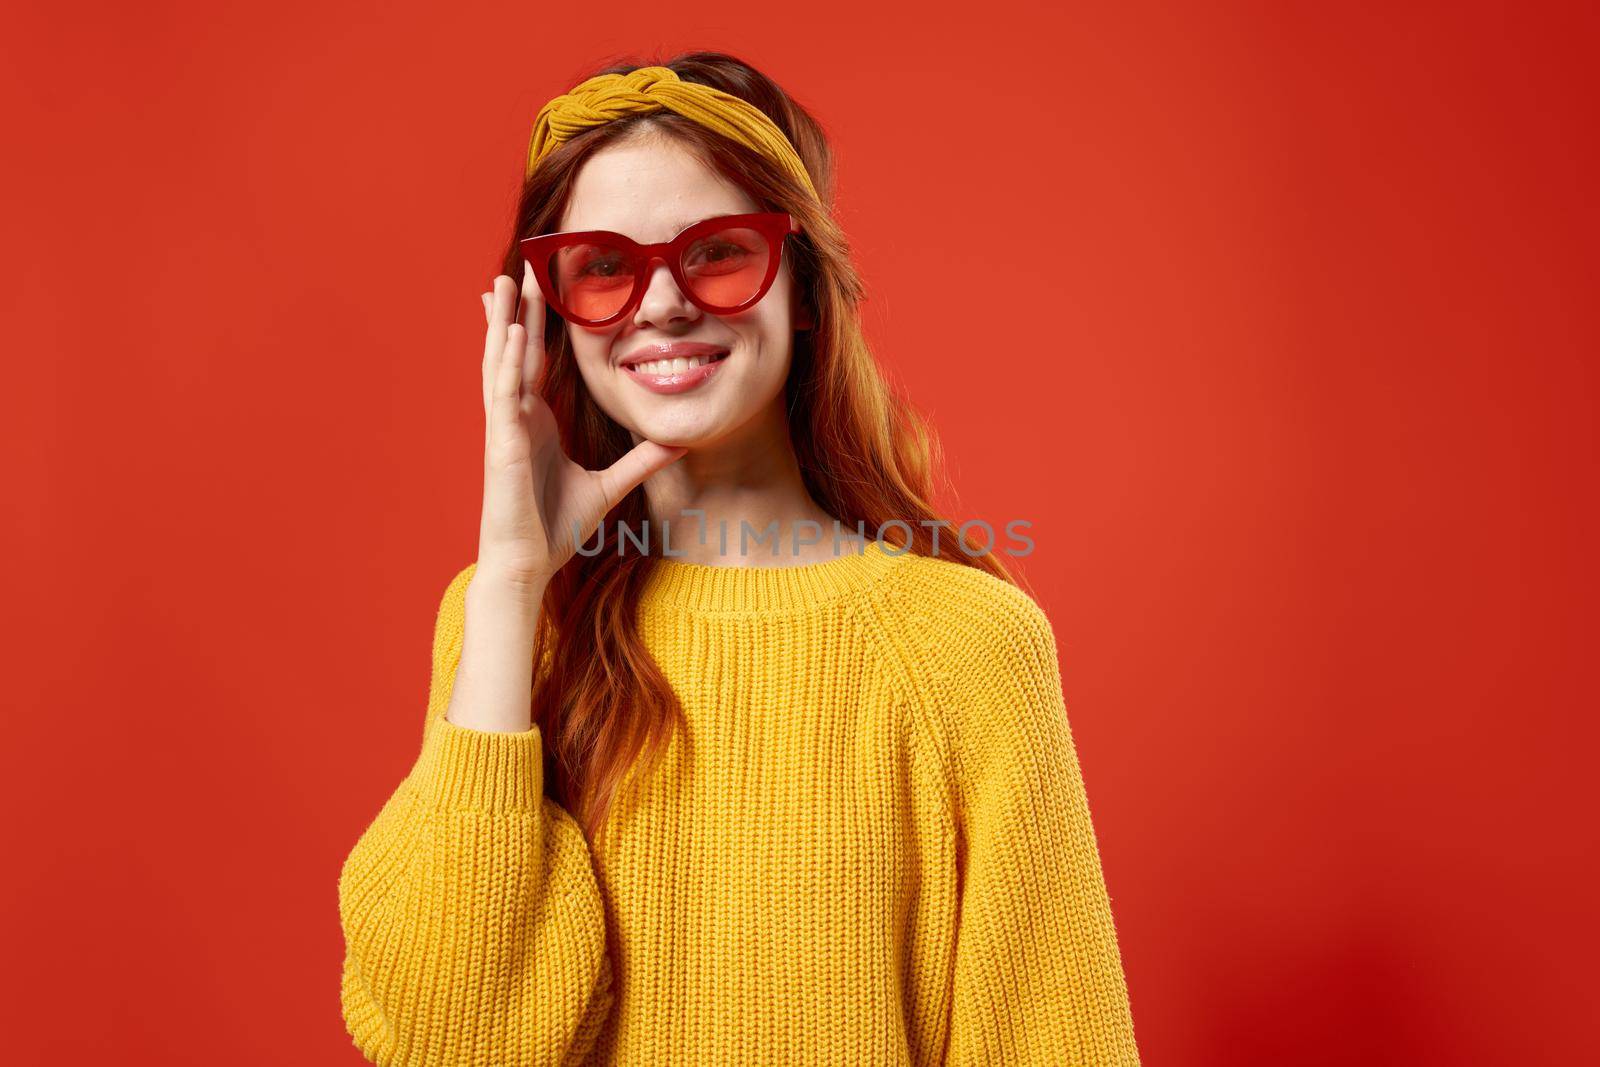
678,224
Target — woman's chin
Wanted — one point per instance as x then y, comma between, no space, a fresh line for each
685,431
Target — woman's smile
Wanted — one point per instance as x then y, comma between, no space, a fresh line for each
674,368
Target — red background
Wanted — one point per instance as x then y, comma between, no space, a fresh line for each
1304,418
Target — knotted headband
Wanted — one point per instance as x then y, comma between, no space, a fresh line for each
607,97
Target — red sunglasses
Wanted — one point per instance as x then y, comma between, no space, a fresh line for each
724,265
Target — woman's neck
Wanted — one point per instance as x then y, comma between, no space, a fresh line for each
742,501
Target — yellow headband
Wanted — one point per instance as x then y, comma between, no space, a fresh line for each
612,96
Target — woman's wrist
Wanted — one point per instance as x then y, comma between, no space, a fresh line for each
495,675
504,584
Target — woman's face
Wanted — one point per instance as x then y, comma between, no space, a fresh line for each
650,190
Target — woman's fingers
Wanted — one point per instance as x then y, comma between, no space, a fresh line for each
533,326
647,457
494,335
508,386
488,317
490,349
499,317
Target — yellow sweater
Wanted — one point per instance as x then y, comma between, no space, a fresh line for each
872,847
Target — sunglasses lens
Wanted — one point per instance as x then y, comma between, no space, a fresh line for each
593,280
726,268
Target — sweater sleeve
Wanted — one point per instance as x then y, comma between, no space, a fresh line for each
1038,974
473,923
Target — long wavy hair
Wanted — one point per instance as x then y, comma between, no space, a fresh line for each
865,454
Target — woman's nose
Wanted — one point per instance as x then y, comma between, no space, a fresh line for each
663,301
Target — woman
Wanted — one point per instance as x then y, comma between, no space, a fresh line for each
823,809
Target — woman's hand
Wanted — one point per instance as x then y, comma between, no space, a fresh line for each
533,495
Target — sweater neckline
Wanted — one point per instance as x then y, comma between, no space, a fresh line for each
742,589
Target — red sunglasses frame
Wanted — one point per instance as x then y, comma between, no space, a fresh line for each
537,251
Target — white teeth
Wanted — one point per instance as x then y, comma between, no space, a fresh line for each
670,366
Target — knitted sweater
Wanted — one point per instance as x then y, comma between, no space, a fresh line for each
872,846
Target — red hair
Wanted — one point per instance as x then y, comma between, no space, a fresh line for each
865,454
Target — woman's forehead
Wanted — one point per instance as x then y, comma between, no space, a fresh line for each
649,190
